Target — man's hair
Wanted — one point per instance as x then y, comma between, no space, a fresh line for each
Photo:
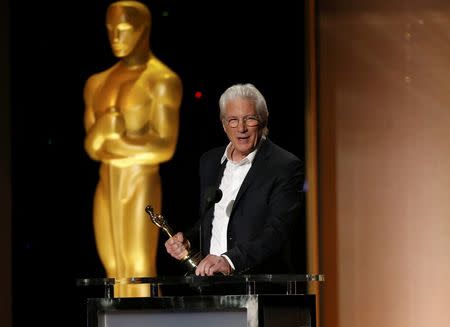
248,92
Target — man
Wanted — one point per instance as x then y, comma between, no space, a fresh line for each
131,120
250,228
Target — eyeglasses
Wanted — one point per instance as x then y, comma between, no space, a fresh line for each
249,121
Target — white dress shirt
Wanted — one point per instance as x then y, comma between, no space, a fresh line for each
232,179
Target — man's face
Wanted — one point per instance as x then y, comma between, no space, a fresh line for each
244,138
123,33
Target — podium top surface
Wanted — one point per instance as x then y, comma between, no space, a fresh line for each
199,280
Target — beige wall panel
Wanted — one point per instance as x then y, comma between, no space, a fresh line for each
390,91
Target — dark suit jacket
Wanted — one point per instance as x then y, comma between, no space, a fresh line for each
264,213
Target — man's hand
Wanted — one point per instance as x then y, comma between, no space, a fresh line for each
177,246
213,264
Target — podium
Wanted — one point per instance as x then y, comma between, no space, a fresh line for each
241,300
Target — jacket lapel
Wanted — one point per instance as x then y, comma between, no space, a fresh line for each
258,165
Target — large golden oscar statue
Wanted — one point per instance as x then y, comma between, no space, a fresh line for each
131,121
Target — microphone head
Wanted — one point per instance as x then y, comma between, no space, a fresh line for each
213,195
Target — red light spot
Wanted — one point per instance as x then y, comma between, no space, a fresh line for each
198,95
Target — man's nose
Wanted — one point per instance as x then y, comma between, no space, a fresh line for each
242,125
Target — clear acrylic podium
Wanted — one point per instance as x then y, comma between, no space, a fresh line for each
238,300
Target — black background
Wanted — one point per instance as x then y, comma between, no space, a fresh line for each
55,47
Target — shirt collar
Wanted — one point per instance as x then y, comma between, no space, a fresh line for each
248,159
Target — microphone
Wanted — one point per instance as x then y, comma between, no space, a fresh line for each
212,196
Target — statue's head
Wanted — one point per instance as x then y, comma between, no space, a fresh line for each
128,24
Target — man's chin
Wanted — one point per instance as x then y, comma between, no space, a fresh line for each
243,150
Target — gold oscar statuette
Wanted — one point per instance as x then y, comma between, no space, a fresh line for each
132,123
192,259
